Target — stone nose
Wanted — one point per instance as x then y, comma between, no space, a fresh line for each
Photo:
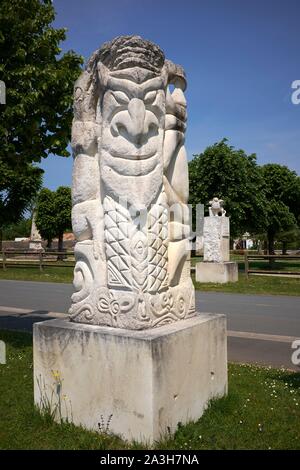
142,124
136,125
137,111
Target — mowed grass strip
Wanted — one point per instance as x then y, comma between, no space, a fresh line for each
33,273
261,411
254,285
263,285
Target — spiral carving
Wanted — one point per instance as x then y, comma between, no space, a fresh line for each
83,280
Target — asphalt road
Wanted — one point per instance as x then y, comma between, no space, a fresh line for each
260,328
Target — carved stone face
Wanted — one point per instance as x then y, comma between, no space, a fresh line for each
133,118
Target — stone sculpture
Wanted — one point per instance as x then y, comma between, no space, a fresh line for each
216,265
216,207
130,218
35,242
216,233
130,189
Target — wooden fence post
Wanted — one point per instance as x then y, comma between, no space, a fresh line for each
4,260
246,264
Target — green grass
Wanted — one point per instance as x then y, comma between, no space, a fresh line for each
261,411
263,285
278,265
50,274
254,285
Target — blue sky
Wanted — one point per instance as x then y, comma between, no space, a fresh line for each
240,58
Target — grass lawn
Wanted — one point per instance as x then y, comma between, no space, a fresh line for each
278,265
261,411
50,274
255,284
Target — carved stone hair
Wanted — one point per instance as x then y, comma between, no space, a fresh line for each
132,51
129,51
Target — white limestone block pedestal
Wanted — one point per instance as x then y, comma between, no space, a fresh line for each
219,273
143,383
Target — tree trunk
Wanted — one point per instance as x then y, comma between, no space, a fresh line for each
284,248
271,241
265,247
60,245
49,243
1,238
271,250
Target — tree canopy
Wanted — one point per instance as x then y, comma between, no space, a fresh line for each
260,199
19,229
53,213
18,188
36,119
282,191
234,176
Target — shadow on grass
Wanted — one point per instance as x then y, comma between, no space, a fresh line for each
16,339
24,323
292,379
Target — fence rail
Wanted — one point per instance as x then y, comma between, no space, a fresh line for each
254,257
41,259
66,259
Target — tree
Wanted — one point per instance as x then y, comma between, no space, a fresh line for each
45,212
233,176
17,189
63,205
291,236
53,214
20,229
282,191
36,119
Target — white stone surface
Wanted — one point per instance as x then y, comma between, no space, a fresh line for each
140,382
216,239
130,177
36,246
218,273
216,208
35,242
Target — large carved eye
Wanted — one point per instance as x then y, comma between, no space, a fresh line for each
150,97
121,97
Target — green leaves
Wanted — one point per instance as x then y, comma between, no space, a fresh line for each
18,187
258,199
282,190
53,212
19,229
230,174
37,118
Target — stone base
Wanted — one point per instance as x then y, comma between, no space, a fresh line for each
140,384
217,272
36,245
